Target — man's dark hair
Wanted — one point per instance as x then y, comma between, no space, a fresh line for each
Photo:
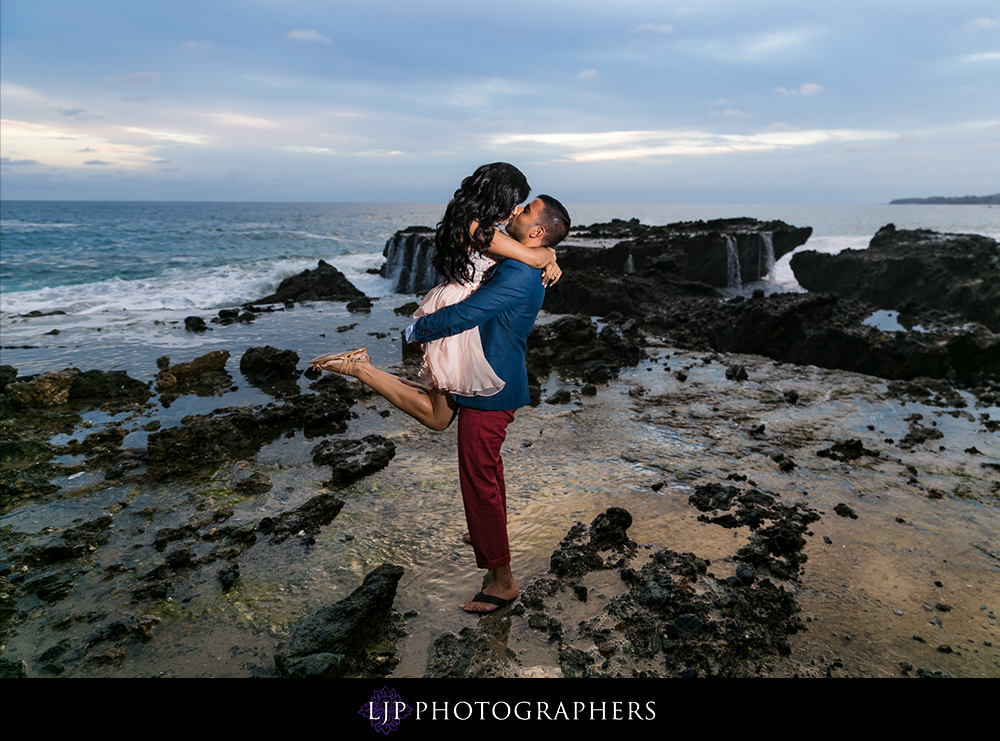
555,220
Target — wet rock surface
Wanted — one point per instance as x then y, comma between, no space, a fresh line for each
205,376
913,272
824,330
574,346
306,520
352,459
271,369
231,434
354,637
59,387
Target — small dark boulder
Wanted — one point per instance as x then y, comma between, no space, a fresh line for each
269,364
325,283
352,459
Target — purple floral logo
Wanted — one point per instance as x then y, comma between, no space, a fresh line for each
385,710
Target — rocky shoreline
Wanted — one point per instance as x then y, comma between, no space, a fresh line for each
153,528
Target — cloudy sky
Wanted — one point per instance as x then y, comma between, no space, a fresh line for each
712,101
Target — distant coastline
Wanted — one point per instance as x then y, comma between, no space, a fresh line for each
962,200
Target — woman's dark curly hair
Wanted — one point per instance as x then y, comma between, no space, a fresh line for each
488,196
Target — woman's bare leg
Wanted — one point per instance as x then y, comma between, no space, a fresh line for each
430,407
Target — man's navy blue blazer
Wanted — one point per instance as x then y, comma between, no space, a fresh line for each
504,308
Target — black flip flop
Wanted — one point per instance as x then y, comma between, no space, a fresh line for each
490,600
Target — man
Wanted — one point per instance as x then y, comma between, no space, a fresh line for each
504,308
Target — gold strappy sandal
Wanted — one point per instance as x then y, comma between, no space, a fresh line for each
345,359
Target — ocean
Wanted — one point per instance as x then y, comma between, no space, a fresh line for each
134,270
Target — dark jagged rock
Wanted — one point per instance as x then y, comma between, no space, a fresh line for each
676,614
194,324
94,386
229,576
408,260
580,551
406,309
7,375
573,345
467,654
918,433
45,390
204,376
560,397
97,385
737,372
233,434
844,510
824,330
352,459
309,518
71,543
269,364
847,450
363,304
599,291
325,283
913,272
708,252
354,637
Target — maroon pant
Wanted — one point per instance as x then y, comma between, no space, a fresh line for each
480,470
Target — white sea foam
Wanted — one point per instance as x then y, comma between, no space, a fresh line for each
334,237
181,289
16,225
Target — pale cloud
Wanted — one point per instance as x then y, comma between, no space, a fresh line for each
169,136
483,92
986,56
9,161
60,146
98,162
655,28
984,23
778,126
907,138
136,78
772,42
27,95
236,119
807,88
634,145
861,148
735,112
197,45
587,74
310,35
310,150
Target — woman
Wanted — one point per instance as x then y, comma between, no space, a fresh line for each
468,243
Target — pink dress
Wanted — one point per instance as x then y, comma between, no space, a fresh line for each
457,363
